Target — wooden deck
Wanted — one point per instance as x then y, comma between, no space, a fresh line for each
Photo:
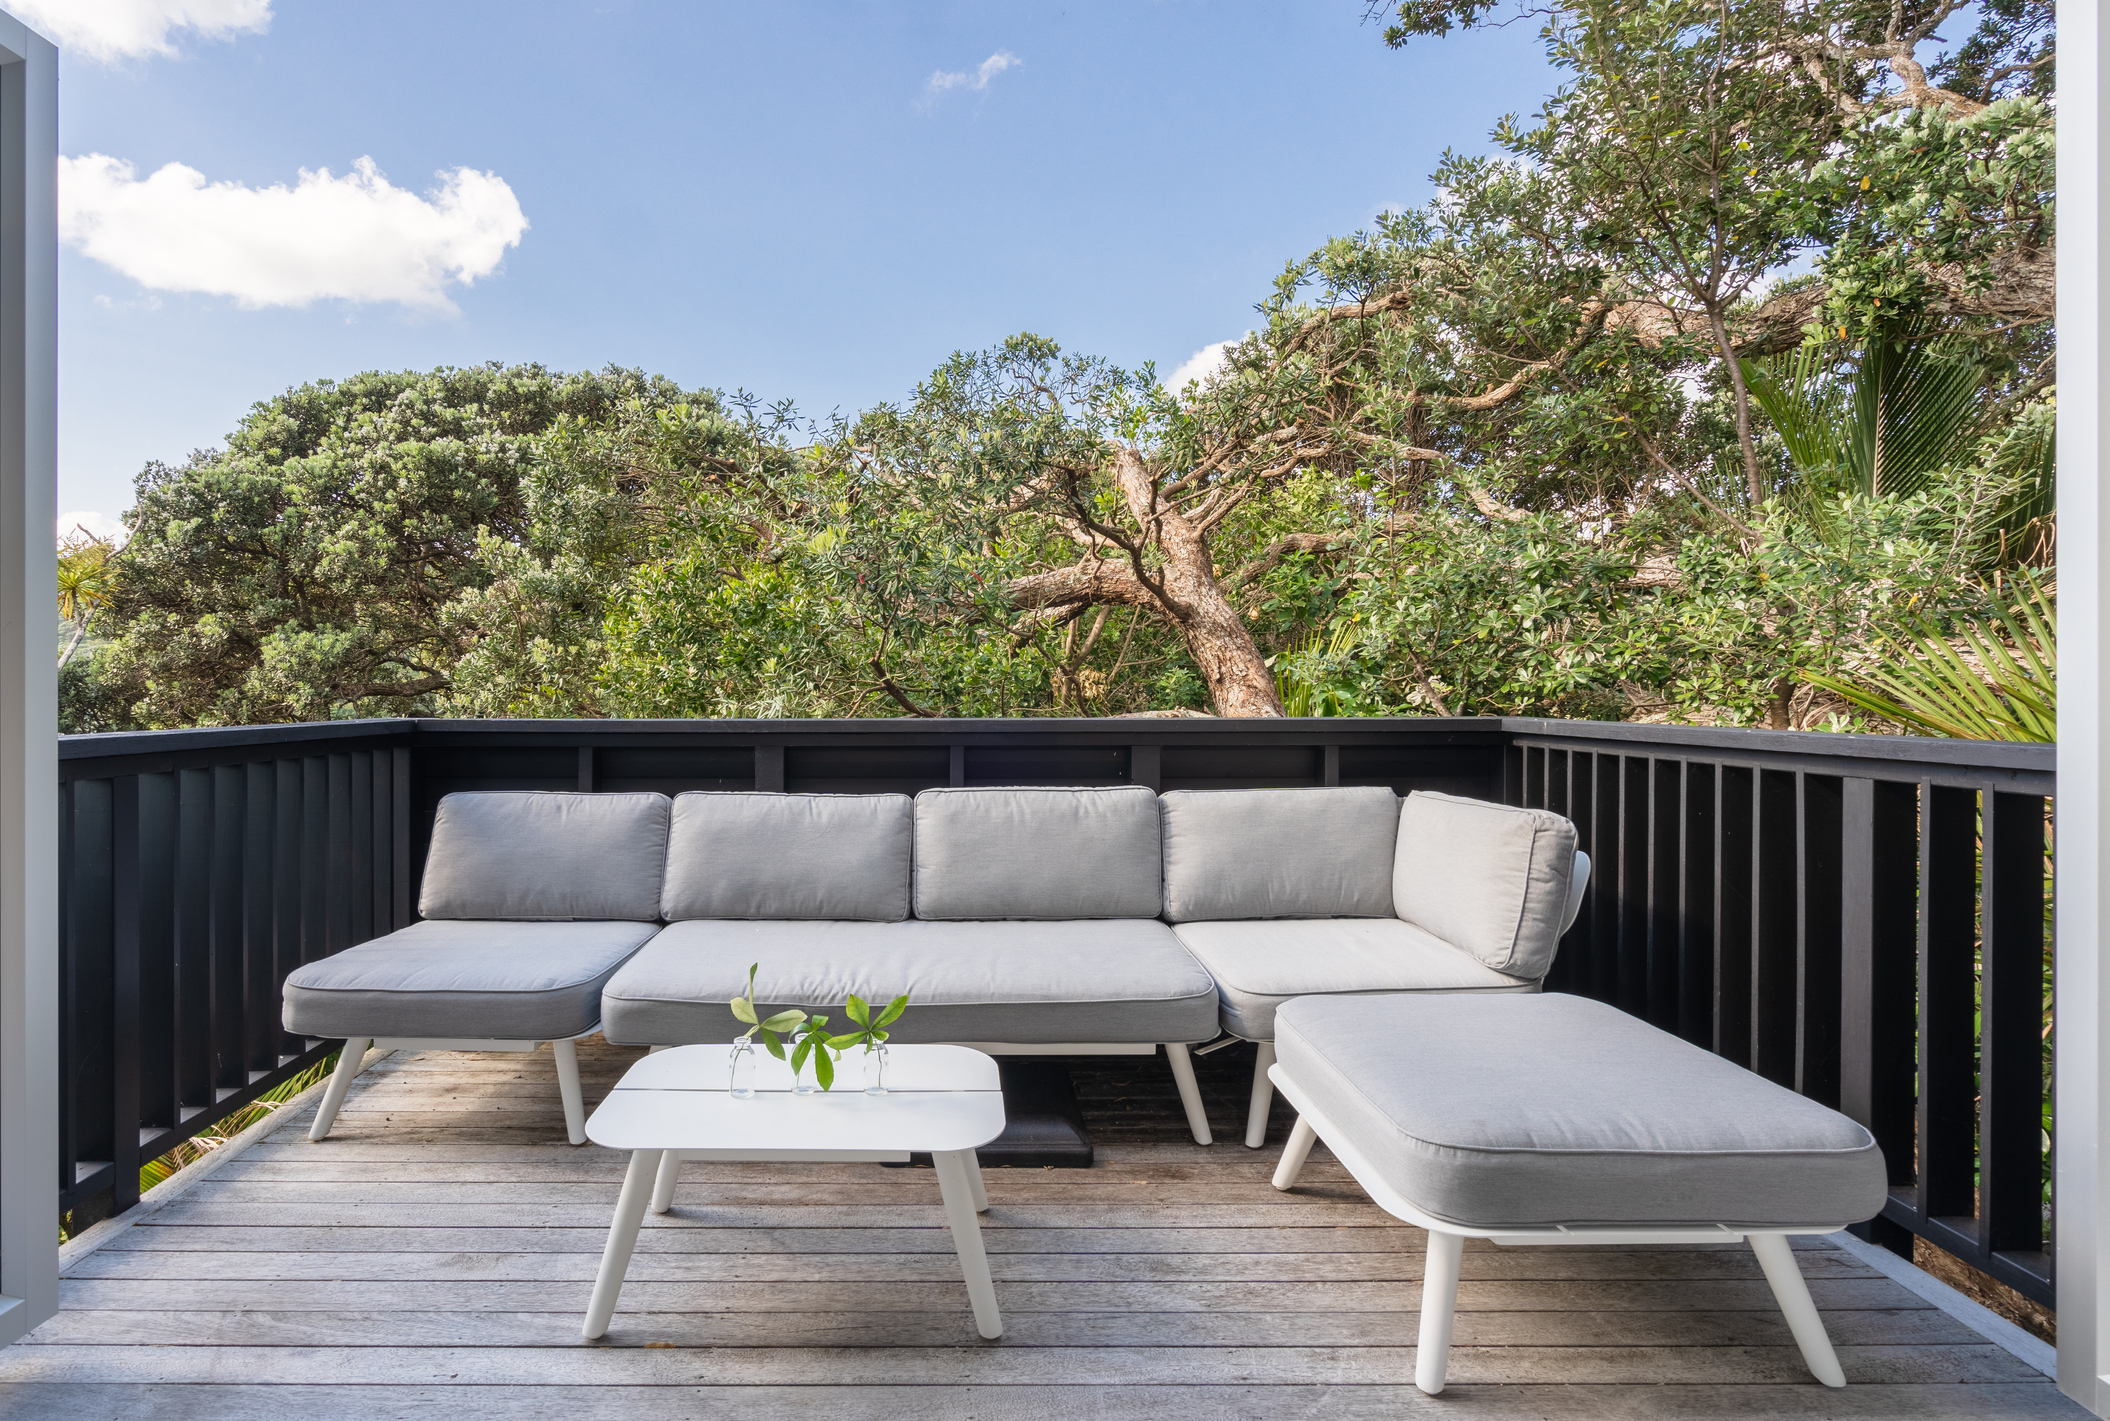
433,1259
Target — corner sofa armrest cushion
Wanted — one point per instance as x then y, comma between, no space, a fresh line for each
757,855
546,856
1033,853
1279,853
1491,879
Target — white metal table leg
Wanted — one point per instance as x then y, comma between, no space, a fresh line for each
622,1239
1439,1307
1793,1295
974,1182
663,1186
1190,1093
1263,1097
1295,1153
957,1189
349,1064
567,1053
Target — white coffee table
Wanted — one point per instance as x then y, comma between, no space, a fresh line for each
674,1105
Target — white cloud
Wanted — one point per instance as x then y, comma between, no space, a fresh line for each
1199,366
111,30
975,81
354,238
102,525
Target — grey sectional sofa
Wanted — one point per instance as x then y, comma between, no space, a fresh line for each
1019,920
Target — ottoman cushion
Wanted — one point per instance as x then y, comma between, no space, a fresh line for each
1118,980
494,981
1538,1110
1260,965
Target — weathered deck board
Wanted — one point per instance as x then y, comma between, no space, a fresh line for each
433,1259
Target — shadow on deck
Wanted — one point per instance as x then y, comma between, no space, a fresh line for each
433,1259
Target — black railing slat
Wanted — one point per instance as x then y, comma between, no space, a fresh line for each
1696,914
1777,871
194,939
1947,1040
1817,966
125,1015
1735,857
2011,1082
160,1095
1665,925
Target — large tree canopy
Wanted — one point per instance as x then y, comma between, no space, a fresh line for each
1524,449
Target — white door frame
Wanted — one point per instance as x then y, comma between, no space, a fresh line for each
29,761
2084,759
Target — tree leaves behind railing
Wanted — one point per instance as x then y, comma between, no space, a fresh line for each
1302,693
2000,684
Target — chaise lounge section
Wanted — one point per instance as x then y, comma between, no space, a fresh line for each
1559,1120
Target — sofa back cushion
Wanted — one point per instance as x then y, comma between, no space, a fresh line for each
784,856
546,856
1279,853
1488,878
1037,853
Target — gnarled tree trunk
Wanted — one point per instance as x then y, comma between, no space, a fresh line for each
1187,590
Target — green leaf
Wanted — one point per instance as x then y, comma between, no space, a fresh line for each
844,1043
893,1012
775,1047
800,1052
784,1020
824,1070
857,1011
743,1009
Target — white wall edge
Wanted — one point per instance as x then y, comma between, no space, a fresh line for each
1977,1316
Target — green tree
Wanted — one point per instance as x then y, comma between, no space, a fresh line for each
307,571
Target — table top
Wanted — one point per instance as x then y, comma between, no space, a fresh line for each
938,1098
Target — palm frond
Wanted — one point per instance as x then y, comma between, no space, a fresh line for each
1932,684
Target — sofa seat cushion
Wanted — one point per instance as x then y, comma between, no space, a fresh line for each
1117,979
492,981
1260,965
1537,1110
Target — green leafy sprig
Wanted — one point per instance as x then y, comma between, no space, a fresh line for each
771,1028
813,1044
871,1030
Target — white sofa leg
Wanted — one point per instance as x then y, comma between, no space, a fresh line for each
567,1053
1793,1295
1190,1093
1439,1308
1263,1097
1298,1150
349,1063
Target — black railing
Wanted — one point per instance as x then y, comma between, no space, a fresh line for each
1758,893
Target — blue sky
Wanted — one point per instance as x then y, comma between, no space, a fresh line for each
774,197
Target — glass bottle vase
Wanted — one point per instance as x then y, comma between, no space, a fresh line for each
740,1072
875,1070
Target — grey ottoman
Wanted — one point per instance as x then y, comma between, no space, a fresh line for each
1556,1119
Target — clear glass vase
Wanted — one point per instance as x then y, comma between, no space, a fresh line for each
740,1070
875,1070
